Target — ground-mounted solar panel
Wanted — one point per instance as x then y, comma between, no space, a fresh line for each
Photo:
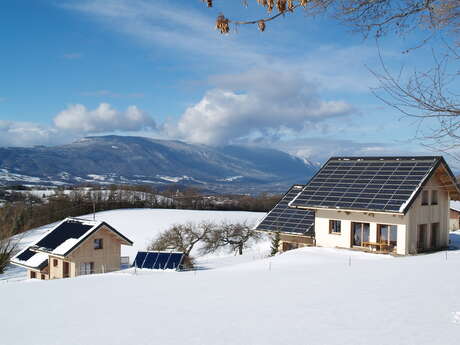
284,219
150,260
140,258
158,260
174,261
375,184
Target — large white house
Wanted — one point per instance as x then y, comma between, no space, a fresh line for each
384,204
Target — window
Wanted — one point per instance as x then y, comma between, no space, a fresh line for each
33,275
43,277
98,243
335,226
387,234
360,234
86,268
55,262
425,197
434,235
434,197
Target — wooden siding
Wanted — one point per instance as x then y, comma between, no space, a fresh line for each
429,214
106,259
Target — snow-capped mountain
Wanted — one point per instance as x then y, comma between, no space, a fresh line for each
121,159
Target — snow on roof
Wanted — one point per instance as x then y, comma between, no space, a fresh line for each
70,228
455,205
31,259
68,234
59,240
37,260
64,247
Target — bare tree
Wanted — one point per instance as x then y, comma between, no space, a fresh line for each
236,236
431,97
180,237
365,15
183,238
7,247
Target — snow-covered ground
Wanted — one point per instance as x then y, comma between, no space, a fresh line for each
455,205
305,296
142,225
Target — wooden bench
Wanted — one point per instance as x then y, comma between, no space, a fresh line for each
380,247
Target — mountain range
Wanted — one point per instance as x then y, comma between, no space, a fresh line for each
139,160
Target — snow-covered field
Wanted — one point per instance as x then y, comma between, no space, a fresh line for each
305,296
142,225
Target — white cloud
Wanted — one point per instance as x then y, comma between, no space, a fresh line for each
25,134
77,118
165,23
75,122
253,104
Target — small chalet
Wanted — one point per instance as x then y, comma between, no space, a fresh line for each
74,247
382,204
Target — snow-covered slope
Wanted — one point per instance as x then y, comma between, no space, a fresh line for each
143,225
455,205
305,296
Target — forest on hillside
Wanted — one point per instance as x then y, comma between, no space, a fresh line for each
25,209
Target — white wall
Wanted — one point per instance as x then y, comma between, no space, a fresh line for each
343,240
407,225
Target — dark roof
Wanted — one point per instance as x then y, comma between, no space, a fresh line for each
74,229
382,184
158,260
30,259
70,228
25,255
61,240
283,218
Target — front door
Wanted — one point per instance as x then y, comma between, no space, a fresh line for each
421,238
359,233
434,235
65,269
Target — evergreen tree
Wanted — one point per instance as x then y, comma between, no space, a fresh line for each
275,243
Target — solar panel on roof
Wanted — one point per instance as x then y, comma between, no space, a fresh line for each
68,229
25,255
158,260
370,184
282,218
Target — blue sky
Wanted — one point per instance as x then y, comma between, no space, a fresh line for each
157,68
